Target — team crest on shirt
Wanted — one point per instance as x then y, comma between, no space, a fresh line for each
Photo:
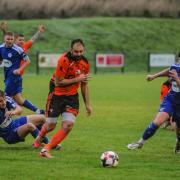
78,71
9,55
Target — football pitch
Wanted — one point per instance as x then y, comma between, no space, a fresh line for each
123,105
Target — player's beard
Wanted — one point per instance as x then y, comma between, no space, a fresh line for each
76,58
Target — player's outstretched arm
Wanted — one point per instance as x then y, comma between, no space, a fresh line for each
36,36
164,72
3,27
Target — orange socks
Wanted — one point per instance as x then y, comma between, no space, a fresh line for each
43,131
56,139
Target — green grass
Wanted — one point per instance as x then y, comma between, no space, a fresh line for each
133,36
123,106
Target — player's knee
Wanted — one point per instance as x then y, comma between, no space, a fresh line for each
31,127
50,126
42,118
158,123
51,123
20,101
67,126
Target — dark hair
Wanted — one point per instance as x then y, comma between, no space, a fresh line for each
74,41
19,35
2,93
9,34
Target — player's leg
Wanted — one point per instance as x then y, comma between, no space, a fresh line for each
52,113
37,119
68,119
26,103
26,125
66,127
53,125
150,130
14,89
165,112
30,126
25,129
20,128
153,126
47,127
51,122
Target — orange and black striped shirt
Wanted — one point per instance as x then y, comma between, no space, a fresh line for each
68,68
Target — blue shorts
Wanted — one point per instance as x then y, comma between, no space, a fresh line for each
12,136
13,87
167,106
171,105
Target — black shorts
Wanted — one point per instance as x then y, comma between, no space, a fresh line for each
51,86
59,104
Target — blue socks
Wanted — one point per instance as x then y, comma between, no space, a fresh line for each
35,133
30,106
45,139
150,130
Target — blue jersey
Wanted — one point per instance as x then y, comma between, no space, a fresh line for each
175,87
171,102
6,121
11,57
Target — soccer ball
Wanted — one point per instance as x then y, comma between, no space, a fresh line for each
109,159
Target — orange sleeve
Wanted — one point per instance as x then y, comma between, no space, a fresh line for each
62,67
87,68
164,91
27,45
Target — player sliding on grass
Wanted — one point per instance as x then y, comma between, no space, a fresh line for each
14,131
169,107
72,71
11,56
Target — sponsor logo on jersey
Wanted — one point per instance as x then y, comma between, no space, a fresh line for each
6,122
7,63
